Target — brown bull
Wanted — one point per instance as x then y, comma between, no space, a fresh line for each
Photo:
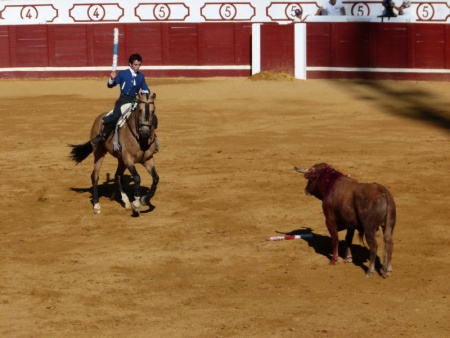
350,205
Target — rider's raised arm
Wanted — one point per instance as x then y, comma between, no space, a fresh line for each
111,81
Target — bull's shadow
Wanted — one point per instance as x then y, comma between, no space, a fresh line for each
322,245
109,189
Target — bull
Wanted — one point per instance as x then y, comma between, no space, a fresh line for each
348,204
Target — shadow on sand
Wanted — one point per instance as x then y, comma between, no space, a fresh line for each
416,104
109,190
322,245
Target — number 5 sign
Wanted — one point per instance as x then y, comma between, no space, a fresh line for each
161,11
360,9
432,11
227,11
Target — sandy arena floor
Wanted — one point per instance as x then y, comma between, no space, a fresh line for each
199,265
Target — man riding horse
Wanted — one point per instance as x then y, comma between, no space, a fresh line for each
130,81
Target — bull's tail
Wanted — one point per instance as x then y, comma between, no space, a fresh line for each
388,233
80,152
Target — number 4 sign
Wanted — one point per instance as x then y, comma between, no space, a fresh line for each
96,12
28,14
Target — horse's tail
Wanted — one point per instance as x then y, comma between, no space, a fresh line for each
80,152
388,232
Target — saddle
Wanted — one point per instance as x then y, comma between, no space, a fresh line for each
125,110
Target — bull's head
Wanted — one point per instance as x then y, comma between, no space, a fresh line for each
309,174
312,175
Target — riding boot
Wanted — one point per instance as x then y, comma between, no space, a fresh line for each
107,129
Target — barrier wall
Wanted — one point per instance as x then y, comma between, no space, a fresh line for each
214,38
379,51
179,49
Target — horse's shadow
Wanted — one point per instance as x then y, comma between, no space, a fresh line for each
109,189
322,245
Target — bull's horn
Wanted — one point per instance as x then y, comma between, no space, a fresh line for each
303,171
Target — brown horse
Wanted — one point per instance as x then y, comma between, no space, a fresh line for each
136,138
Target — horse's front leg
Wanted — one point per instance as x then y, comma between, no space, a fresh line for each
150,166
119,182
137,188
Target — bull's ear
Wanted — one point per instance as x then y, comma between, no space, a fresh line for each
310,175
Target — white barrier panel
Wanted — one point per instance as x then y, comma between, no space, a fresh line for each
256,48
25,12
300,51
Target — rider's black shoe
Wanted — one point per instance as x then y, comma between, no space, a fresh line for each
100,138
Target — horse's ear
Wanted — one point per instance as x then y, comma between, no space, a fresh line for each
154,96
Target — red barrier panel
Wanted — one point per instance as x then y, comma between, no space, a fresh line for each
334,49
277,48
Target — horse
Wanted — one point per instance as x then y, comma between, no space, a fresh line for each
134,141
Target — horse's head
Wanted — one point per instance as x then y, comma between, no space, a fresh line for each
146,111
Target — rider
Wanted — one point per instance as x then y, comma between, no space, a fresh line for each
130,81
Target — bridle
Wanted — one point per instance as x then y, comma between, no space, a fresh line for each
147,122
142,124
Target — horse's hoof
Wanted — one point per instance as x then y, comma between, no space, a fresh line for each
126,201
97,209
135,206
144,200
333,262
348,259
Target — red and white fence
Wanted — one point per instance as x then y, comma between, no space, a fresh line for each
215,38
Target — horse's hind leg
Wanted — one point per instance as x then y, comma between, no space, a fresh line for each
150,166
119,182
98,160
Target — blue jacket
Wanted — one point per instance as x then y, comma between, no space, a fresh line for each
129,83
